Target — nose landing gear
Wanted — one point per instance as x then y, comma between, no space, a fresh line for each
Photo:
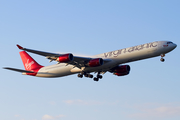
162,59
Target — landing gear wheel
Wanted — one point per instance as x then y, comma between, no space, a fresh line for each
86,75
80,76
96,79
99,76
90,76
162,59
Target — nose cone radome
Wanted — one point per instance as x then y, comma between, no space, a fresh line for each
173,46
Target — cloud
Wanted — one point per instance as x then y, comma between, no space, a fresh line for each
60,116
156,111
82,102
53,103
48,117
16,115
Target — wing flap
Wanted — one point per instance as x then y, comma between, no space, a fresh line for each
77,59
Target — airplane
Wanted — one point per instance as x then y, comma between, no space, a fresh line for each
68,64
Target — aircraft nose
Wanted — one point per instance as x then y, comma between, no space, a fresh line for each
174,45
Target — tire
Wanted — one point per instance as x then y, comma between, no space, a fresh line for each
162,59
99,76
96,79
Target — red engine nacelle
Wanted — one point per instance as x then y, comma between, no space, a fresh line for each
65,58
122,70
121,74
95,62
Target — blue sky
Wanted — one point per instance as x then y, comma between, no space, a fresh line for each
150,91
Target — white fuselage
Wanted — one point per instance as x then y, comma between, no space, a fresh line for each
114,58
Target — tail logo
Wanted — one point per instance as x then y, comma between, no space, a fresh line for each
29,64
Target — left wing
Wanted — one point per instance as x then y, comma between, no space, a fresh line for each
68,58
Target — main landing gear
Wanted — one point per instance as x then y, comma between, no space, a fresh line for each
98,77
80,75
162,59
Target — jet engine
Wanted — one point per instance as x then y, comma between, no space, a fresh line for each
65,58
95,62
121,70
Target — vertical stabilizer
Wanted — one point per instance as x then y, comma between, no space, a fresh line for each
29,62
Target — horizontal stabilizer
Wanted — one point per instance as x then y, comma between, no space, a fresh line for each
18,70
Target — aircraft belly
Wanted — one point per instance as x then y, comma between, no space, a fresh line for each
104,67
61,69
54,71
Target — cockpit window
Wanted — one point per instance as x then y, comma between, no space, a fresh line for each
169,42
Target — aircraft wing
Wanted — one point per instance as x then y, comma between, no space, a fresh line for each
49,55
39,52
77,61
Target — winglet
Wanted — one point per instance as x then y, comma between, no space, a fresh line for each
19,46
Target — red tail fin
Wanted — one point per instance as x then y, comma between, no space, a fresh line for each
29,62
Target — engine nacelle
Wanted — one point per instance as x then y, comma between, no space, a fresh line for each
122,70
65,58
121,74
95,62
